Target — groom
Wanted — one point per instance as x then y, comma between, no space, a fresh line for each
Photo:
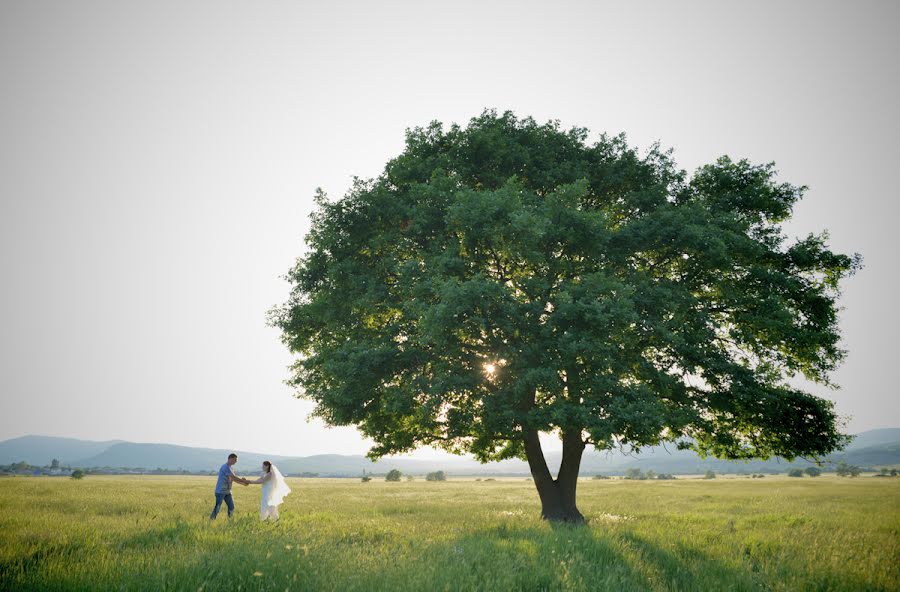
223,486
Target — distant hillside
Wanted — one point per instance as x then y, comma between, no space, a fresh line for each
875,448
875,438
169,456
40,450
872,456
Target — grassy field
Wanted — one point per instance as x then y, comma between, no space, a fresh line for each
135,533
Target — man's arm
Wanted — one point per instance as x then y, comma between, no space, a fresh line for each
233,476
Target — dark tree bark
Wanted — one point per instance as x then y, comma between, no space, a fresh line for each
557,495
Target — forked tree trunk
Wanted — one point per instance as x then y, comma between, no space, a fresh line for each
557,495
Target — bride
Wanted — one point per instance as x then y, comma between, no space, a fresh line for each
274,488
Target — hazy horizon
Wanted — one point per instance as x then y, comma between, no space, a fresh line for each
420,454
159,162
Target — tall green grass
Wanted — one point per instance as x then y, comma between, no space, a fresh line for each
152,533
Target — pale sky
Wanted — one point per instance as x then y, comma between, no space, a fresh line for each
158,162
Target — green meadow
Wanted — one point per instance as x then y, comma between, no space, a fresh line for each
152,533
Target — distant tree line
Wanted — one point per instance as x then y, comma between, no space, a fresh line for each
845,470
394,475
638,475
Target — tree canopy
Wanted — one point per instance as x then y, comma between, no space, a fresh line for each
508,278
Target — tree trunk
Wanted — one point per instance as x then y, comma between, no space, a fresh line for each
557,495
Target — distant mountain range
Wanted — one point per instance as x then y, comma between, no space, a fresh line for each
874,448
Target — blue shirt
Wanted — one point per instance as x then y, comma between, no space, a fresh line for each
223,485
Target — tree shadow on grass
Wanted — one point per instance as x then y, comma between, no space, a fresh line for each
565,557
509,555
683,567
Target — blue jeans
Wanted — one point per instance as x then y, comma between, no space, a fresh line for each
220,497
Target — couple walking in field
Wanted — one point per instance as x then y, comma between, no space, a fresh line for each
274,488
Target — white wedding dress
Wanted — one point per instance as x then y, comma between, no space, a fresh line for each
274,488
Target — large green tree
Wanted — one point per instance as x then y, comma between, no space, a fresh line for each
508,278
